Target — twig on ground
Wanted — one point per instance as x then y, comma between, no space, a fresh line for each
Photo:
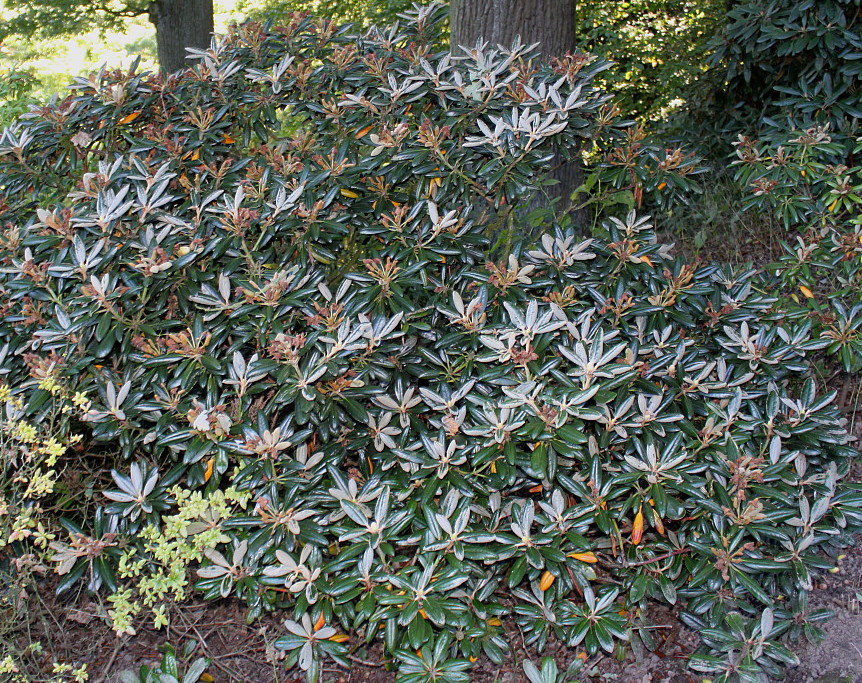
225,669
245,654
107,670
364,662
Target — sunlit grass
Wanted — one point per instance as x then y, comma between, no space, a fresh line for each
54,63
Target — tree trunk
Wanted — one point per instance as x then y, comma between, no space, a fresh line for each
551,23
180,24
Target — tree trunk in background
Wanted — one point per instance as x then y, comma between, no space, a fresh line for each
548,22
180,24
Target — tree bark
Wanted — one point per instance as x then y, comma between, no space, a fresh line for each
551,23
180,24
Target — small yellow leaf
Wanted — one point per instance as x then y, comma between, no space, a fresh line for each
362,133
320,623
494,621
206,678
833,205
349,193
661,186
209,472
128,118
228,140
657,522
589,558
638,528
339,638
547,581
806,292
433,184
